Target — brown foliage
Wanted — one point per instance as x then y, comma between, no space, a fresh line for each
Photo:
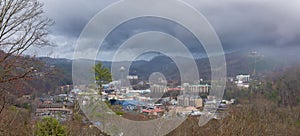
22,25
15,121
245,120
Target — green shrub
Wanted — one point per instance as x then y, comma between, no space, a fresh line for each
50,126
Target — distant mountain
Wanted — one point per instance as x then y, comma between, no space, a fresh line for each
237,63
63,67
45,78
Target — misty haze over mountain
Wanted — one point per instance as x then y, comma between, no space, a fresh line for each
268,27
237,63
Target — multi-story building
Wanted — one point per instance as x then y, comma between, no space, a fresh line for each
242,81
158,89
196,101
195,90
189,100
243,78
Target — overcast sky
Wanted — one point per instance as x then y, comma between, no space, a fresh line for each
240,24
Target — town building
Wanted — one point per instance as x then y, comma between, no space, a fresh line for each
54,108
195,90
158,89
190,100
243,81
243,78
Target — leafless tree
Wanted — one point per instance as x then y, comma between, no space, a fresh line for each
22,25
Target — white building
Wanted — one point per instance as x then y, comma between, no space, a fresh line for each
243,78
195,89
242,81
158,89
132,77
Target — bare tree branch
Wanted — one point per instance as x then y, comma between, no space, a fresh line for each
22,25
3,105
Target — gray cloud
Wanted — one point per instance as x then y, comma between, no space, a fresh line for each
252,22
72,15
247,24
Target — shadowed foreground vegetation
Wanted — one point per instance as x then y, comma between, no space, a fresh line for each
246,120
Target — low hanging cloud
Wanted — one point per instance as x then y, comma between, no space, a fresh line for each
247,24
